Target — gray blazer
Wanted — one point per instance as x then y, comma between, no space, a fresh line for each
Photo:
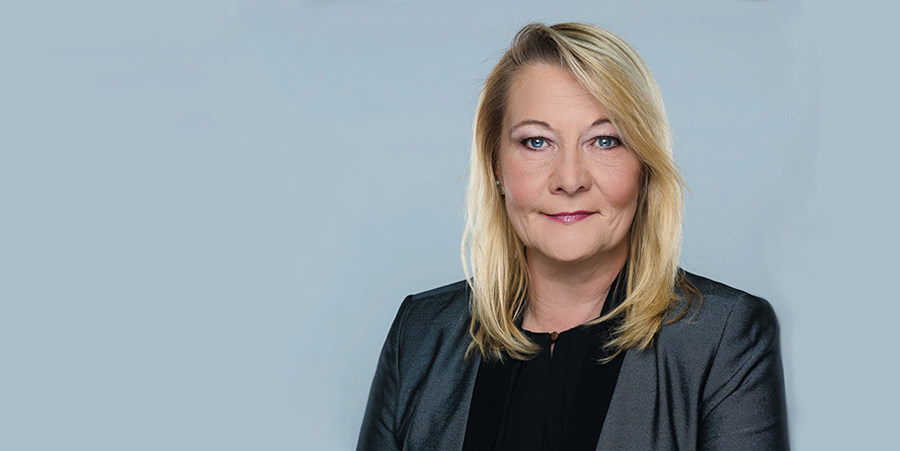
712,381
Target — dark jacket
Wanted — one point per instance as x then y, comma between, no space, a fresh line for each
712,381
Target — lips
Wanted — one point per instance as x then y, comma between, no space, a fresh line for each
570,217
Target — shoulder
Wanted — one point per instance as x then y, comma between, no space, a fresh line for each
438,305
433,320
422,358
719,302
719,319
728,352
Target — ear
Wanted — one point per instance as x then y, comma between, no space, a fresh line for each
498,181
496,171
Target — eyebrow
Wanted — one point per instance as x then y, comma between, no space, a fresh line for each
546,125
529,122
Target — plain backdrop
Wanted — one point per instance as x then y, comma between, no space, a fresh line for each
211,210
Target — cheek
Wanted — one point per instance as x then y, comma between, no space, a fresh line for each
518,194
623,187
517,214
624,193
520,185
519,201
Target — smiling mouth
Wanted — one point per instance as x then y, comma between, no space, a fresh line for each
570,217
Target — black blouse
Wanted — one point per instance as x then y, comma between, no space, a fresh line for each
547,403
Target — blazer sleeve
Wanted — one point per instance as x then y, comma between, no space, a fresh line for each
379,424
743,404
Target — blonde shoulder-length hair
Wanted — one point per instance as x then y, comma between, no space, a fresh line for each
496,270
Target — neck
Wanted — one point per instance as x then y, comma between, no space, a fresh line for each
565,295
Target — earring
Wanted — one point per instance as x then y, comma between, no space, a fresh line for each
499,187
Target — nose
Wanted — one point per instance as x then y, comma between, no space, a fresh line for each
570,172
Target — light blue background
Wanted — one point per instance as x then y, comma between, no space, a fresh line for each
210,210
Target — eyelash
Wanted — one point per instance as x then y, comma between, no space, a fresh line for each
526,142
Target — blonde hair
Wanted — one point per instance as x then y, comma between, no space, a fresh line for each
496,269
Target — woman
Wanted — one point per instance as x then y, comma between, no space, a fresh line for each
577,329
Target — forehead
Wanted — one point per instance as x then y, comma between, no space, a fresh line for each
551,94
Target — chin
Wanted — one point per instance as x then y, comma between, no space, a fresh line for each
580,251
572,256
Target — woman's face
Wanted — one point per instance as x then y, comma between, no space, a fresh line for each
571,186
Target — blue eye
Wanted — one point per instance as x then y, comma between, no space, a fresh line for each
607,142
535,143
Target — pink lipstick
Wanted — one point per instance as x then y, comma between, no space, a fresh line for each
568,217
